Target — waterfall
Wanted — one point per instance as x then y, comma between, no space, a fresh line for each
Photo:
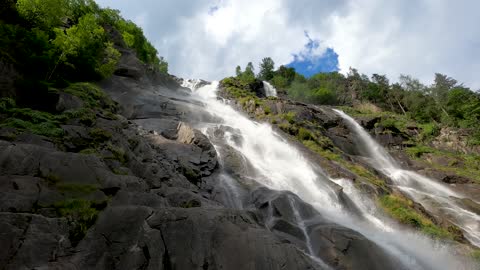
191,84
280,166
430,193
270,91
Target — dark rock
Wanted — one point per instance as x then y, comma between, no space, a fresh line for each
19,193
343,248
8,133
31,241
8,76
76,137
456,179
342,138
118,241
257,88
338,246
68,102
222,239
368,122
149,199
129,66
165,127
34,139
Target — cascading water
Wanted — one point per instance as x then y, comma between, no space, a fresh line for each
270,91
191,84
431,194
280,166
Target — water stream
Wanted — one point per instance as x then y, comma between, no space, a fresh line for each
433,195
270,91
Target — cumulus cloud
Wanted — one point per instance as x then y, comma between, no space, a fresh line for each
208,39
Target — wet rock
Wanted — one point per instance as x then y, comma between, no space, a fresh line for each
470,205
336,245
223,239
342,138
343,248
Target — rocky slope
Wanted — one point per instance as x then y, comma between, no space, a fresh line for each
129,184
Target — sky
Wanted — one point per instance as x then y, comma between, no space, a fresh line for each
208,38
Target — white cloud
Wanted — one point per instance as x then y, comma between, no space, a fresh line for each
209,38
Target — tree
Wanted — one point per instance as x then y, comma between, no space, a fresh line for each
43,13
411,84
267,67
80,8
162,65
250,69
439,90
248,75
286,72
109,62
238,71
69,42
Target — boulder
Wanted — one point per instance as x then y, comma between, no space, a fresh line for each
68,102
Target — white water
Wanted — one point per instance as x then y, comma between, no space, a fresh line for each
280,166
430,193
270,91
191,84
366,206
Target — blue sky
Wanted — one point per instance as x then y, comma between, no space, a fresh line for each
309,63
209,38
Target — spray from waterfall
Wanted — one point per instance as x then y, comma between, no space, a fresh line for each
431,194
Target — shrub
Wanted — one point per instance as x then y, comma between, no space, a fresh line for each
81,215
429,131
304,134
418,151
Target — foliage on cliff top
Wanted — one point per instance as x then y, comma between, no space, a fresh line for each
56,42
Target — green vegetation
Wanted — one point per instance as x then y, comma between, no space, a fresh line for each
445,103
100,135
36,122
466,165
419,150
117,153
51,44
402,210
267,67
476,255
74,189
81,214
48,124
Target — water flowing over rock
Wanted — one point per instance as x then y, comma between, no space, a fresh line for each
270,91
432,194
